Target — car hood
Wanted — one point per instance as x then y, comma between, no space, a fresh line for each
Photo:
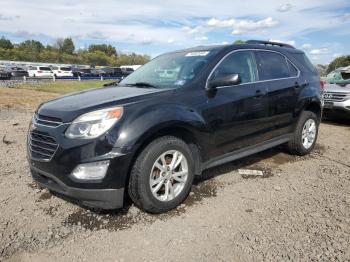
337,88
68,107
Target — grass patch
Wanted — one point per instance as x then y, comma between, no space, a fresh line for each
23,99
63,87
28,96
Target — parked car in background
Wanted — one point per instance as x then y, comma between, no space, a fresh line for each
82,72
151,135
337,93
127,70
18,72
339,76
62,71
117,72
111,71
5,74
40,71
98,72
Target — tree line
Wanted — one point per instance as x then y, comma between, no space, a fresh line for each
63,51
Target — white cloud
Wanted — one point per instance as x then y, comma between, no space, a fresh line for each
306,46
158,21
289,42
146,41
201,38
284,8
346,16
243,25
319,51
170,41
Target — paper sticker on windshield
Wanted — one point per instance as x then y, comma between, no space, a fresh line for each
202,53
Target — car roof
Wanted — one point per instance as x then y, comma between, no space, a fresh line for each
232,47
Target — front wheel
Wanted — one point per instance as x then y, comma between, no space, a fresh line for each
162,175
305,134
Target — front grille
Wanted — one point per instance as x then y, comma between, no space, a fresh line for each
47,120
42,146
335,96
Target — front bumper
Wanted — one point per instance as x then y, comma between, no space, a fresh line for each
96,198
55,172
338,108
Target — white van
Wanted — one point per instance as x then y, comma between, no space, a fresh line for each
39,71
62,71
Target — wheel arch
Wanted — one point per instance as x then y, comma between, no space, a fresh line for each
315,107
183,132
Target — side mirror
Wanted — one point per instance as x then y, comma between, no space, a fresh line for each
226,80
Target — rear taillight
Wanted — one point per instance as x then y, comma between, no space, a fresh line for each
40,71
59,71
322,85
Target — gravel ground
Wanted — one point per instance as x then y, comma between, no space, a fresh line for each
299,210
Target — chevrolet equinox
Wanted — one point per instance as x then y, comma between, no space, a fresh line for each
181,113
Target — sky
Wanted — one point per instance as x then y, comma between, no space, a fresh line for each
319,27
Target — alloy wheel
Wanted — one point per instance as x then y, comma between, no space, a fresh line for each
168,175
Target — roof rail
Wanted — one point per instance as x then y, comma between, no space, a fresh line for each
261,42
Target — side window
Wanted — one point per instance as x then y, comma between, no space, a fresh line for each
242,63
271,65
292,69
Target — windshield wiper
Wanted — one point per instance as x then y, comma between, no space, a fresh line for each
142,84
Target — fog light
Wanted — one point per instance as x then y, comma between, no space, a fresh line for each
91,171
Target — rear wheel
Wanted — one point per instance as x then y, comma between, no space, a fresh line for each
162,175
305,134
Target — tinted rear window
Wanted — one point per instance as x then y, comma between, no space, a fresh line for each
45,68
66,68
271,65
302,58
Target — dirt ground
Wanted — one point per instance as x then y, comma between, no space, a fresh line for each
299,210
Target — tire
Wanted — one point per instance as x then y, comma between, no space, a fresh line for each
145,170
296,145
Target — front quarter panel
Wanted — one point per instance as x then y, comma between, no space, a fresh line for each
143,122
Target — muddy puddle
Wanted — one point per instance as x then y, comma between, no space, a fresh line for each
131,215
45,196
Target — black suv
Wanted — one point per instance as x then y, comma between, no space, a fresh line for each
181,113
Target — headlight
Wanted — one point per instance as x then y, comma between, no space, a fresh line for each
94,124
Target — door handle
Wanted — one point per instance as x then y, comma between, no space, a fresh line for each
297,85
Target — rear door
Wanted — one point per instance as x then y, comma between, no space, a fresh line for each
280,77
237,114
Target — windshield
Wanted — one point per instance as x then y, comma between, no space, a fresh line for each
170,70
45,68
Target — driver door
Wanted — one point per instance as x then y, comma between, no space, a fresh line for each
237,115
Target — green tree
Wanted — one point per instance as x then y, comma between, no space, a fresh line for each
5,43
107,49
33,45
338,62
67,46
238,42
322,69
29,50
63,52
96,58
